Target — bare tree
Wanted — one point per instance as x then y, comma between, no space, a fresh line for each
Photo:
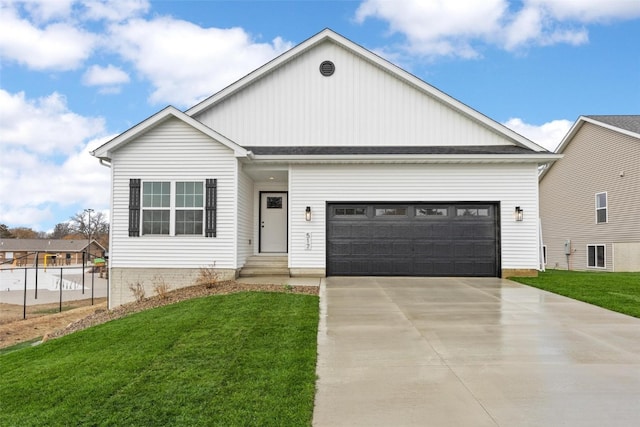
4,232
60,231
99,227
24,233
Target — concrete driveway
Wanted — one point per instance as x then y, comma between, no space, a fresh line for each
471,352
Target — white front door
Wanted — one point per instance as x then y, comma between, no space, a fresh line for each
273,222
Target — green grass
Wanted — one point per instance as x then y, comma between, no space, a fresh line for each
243,359
24,344
615,291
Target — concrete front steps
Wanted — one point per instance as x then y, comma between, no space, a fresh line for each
265,265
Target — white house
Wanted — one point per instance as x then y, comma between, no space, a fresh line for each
332,158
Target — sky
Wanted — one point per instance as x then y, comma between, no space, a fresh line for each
76,73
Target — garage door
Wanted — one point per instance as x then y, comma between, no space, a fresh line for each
423,239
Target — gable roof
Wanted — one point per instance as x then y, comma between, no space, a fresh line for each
45,245
624,124
331,36
629,123
105,150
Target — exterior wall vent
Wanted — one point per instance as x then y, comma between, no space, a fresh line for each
327,68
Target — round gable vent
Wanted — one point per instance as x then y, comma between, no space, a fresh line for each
327,68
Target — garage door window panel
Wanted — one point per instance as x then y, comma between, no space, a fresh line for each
431,212
386,212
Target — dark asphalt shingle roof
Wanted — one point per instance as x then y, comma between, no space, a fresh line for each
42,245
626,122
389,150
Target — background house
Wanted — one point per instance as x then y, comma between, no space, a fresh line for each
331,161
31,252
590,200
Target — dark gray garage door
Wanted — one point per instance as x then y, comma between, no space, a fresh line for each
412,239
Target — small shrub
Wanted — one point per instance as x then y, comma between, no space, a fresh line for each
208,277
160,287
287,287
137,289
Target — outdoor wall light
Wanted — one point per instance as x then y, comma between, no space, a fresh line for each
519,213
307,213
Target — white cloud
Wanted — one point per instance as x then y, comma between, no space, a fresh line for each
114,10
45,160
47,10
44,125
57,46
548,135
437,27
185,62
459,28
110,75
589,10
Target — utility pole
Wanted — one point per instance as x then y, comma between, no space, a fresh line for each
89,227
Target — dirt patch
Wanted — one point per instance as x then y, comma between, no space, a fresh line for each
59,324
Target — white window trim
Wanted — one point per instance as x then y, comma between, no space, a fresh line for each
606,207
596,255
172,208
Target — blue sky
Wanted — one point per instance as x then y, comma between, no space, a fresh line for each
74,74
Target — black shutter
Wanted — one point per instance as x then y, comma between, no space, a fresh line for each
134,207
210,207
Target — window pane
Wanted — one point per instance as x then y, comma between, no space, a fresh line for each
591,253
600,256
188,222
391,211
189,195
155,194
431,211
472,212
155,221
601,200
601,215
350,211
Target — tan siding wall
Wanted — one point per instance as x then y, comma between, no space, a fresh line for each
361,104
511,185
592,163
174,151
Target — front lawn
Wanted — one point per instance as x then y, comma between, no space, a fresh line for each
615,291
242,359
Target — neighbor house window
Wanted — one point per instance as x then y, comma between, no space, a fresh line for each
596,256
601,207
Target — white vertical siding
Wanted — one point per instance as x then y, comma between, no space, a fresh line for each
509,184
361,104
593,162
174,151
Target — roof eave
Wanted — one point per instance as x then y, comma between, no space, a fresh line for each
542,158
105,151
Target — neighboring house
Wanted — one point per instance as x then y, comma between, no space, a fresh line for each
336,160
590,200
25,252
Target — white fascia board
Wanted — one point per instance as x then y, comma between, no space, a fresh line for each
105,150
414,81
542,158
